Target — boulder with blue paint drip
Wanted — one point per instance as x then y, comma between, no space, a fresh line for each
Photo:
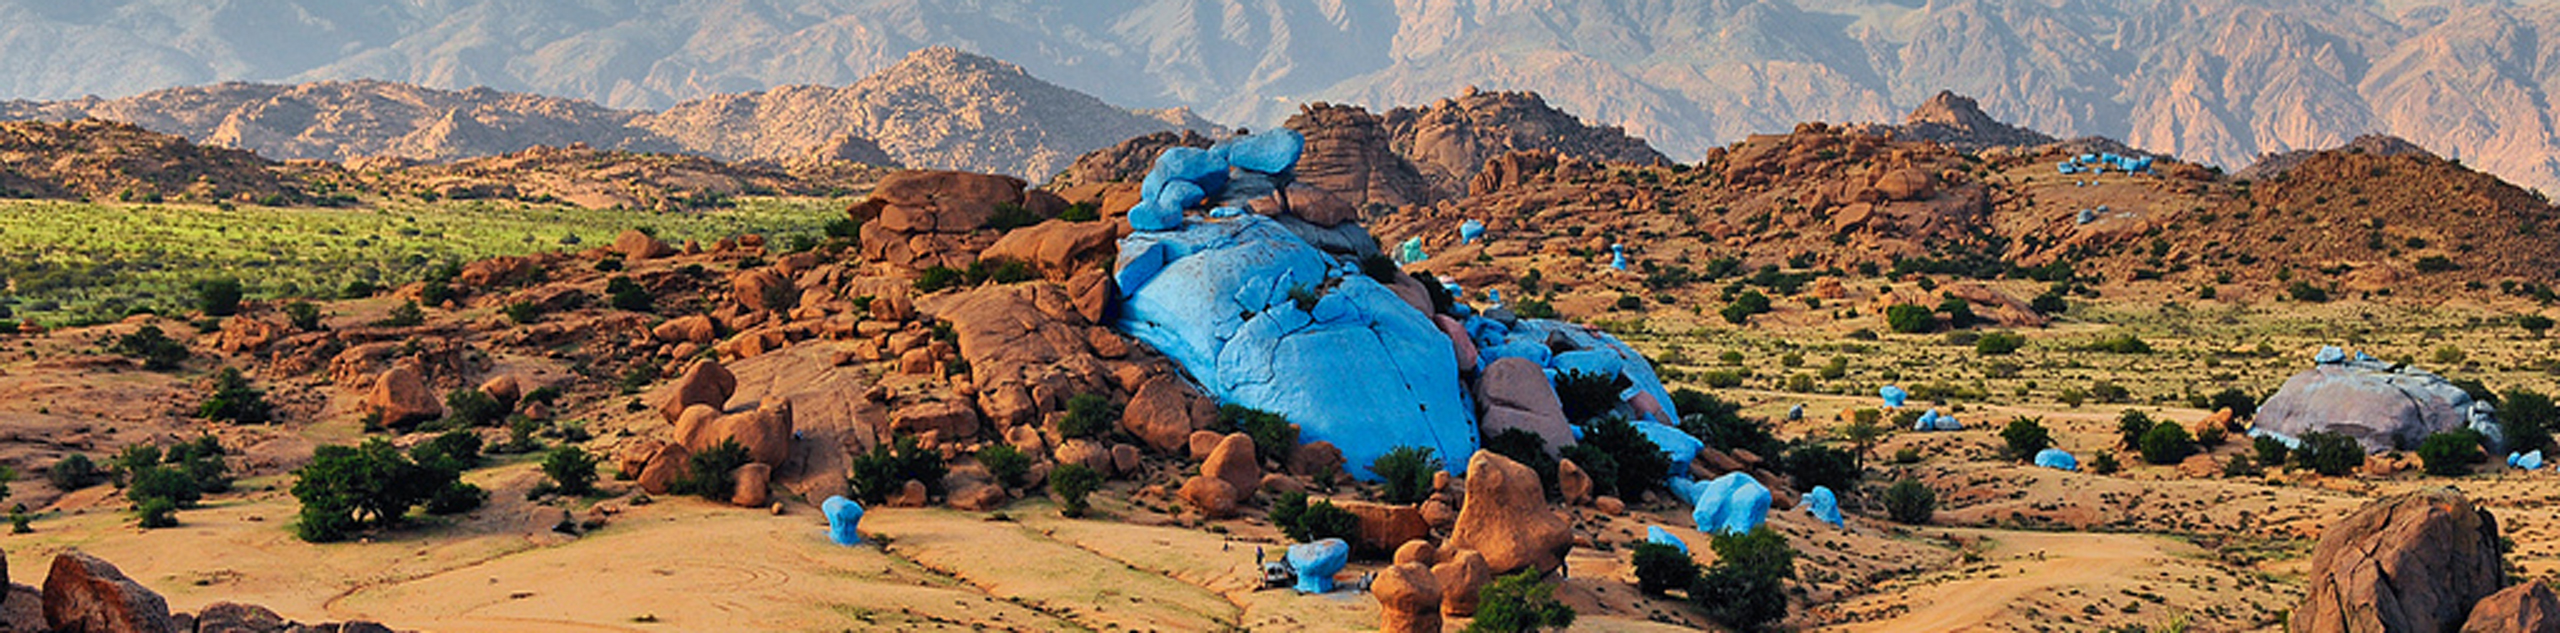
1732,504
2527,461
844,519
1825,505
2057,459
1202,168
1469,231
1272,151
1893,396
1317,562
1655,534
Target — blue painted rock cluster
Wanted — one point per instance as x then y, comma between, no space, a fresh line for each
2382,405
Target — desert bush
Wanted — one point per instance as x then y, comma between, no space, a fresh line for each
712,473
1587,395
407,314
1009,466
523,312
218,297
1519,603
74,472
2105,463
1743,306
1633,463
152,347
2121,344
470,408
234,401
2166,443
349,488
2131,425
1909,502
1088,416
1999,343
1071,484
1661,568
624,294
2304,292
2242,405
1273,439
1959,313
455,498
2024,437
304,315
1910,319
1746,588
157,513
2327,453
2240,466
2534,323
2451,453
1311,521
2527,417
456,450
571,470
2271,452
1405,474
1821,465
889,466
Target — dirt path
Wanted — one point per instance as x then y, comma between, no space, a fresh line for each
2019,568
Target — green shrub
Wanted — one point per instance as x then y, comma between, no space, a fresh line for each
1661,568
523,312
2167,443
350,488
2241,404
2436,264
2327,453
2527,417
624,294
1999,343
1308,522
164,482
2024,437
2050,303
2106,463
1405,474
456,450
571,469
1587,395
712,473
1274,440
1959,313
234,401
1081,212
2534,323
1009,216
1009,466
2451,453
1088,416
1820,465
1746,588
888,468
1528,449
152,347
218,297
1519,603
2121,344
157,513
1743,306
2271,451
2240,466
2131,425
1532,308
1635,464
74,472
470,408
455,498
1910,503
2304,292
1910,319
1071,483
406,314
304,315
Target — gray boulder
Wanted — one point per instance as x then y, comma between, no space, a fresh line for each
2383,406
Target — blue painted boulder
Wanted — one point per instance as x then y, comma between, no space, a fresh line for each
1202,168
1893,396
1732,504
2526,461
1260,318
1155,215
1470,231
1655,534
2382,405
1824,505
1271,152
1317,562
844,517
2057,459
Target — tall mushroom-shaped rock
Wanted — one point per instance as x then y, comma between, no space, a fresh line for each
2413,562
1506,518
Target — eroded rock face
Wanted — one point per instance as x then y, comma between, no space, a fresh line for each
1233,461
765,431
1127,161
1165,412
922,219
1506,517
1514,393
1450,140
2414,562
2524,608
1348,152
706,383
83,594
1026,346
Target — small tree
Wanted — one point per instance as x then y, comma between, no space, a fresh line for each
304,315
2535,324
1661,568
2242,405
2328,453
350,488
2527,417
2450,453
1273,439
1746,588
1071,483
1910,503
157,513
1999,343
234,401
468,407
890,466
2025,437
624,294
712,473
1088,416
2271,451
1819,465
1405,473
572,469
1864,429
218,297
74,472
2131,425
1006,463
153,347
2106,463
1910,319
1519,603
1307,521
406,314
2166,443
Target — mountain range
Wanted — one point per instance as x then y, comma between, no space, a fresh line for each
2217,81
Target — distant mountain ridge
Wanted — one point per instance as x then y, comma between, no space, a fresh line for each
938,108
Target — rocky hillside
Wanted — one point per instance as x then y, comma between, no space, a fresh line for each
2218,81
938,108
1451,139
104,160
606,179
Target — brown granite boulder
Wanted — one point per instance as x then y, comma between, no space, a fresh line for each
233,617
1463,575
402,397
2524,608
765,431
666,466
705,383
2413,562
1574,484
754,486
1233,461
1058,248
1165,412
83,594
1409,599
1514,393
1213,497
692,328
1506,518
635,245
1384,528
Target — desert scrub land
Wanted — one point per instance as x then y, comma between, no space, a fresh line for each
80,263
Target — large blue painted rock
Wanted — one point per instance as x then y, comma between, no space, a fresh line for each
1317,562
2382,406
1200,167
1731,504
1264,320
1655,534
2057,459
1470,231
2527,461
1271,152
1825,506
843,518
1893,395
1155,215
1675,444
1573,347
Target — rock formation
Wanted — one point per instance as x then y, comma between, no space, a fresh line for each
2383,406
1506,518
2412,562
